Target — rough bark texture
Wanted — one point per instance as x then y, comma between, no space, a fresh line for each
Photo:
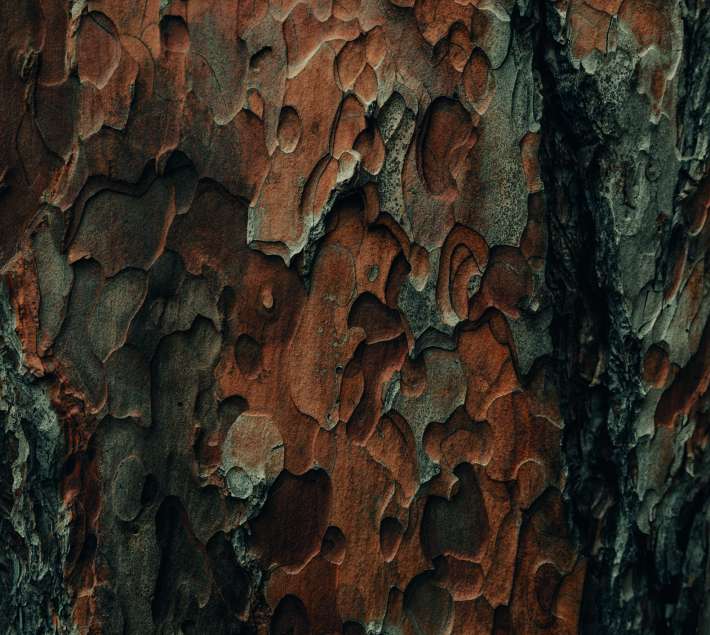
355,316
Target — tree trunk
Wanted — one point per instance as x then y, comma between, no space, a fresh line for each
355,316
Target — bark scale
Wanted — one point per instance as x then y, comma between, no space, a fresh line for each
379,316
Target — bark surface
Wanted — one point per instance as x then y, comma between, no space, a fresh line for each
355,316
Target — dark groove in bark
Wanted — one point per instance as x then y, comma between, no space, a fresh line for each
635,583
33,524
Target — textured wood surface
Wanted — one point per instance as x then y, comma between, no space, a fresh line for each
355,316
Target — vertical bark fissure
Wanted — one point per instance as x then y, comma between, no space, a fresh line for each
637,582
33,523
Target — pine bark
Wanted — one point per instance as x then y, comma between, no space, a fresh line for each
362,316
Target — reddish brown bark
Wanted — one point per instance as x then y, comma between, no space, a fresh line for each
324,335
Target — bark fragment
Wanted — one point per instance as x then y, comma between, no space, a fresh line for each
380,316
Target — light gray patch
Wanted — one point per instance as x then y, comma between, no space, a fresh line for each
117,305
397,125
54,276
532,338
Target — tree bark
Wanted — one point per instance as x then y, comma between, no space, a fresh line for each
362,316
